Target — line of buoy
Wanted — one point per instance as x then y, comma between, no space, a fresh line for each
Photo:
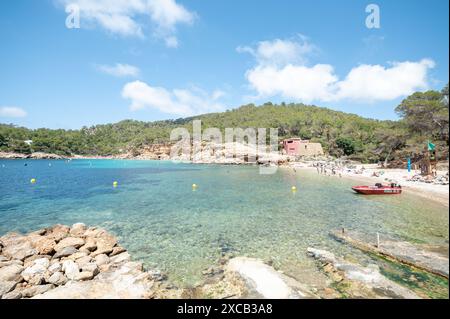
194,186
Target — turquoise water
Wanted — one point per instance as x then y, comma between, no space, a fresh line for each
164,223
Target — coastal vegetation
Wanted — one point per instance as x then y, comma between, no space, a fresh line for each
424,116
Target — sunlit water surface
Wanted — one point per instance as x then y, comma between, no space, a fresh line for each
164,223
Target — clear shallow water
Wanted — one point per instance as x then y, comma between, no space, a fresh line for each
163,223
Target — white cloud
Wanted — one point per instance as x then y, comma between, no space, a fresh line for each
119,70
171,42
279,52
127,17
168,13
293,81
376,82
12,111
281,70
178,102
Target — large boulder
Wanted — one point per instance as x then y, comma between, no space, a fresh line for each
66,251
18,247
55,267
104,242
58,279
30,260
123,257
78,255
44,245
90,245
35,273
117,250
77,230
36,290
11,273
69,241
90,267
70,269
124,282
11,262
6,286
101,259
84,275
15,294
58,232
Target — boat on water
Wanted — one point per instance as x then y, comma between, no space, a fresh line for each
379,189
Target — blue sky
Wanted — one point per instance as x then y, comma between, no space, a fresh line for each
162,59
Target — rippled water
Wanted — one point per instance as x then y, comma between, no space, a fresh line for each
164,223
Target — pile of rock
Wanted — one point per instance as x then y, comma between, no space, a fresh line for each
36,155
62,261
438,180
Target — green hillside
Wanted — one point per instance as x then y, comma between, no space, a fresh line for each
424,117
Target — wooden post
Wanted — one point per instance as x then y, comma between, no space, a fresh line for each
378,240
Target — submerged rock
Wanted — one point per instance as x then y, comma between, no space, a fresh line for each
361,282
433,259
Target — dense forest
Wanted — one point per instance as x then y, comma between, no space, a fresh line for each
424,116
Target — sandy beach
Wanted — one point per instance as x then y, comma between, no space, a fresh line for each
435,192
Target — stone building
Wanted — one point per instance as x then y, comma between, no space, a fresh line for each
299,147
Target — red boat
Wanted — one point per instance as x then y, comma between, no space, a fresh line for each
378,189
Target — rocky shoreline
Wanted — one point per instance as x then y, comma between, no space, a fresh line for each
81,262
71,262
36,155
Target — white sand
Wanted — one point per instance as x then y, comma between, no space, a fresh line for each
430,191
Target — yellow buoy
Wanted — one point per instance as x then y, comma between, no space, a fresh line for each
294,189
33,181
115,184
194,186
